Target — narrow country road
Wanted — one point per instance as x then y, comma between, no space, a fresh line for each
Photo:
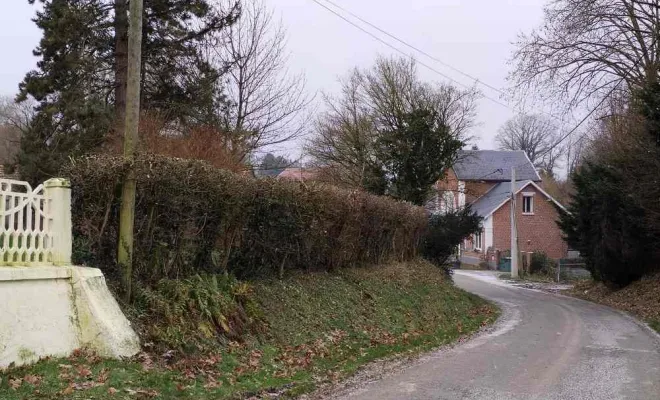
544,347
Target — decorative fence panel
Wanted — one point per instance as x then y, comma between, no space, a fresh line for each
35,224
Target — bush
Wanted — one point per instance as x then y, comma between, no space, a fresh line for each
445,233
193,314
608,228
542,264
192,218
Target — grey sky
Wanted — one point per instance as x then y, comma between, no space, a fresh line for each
472,35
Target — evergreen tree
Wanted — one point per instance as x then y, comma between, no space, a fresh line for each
80,79
272,165
416,154
606,226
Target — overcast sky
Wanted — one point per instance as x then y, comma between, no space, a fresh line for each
474,36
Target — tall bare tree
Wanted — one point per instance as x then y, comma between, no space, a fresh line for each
345,138
586,48
267,101
16,115
575,150
374,102
14,123
536,135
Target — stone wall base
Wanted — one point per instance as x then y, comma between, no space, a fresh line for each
51,311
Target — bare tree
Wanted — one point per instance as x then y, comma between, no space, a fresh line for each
16,115
586,48
575,150
536,135
267,102
14,123
374,101
345,139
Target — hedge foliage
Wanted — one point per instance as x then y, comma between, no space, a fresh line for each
193,218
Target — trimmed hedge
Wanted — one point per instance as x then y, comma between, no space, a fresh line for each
193,218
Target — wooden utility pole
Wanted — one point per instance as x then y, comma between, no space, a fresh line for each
514,230
127,213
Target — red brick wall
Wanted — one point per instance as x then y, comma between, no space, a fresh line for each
538,232
473,190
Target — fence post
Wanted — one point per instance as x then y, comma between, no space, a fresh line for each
558,269
58,195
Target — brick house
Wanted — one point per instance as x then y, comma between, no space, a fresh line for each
482,179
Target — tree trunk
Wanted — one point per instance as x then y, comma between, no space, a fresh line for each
127,213
121,67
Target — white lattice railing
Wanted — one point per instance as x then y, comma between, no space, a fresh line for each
35,224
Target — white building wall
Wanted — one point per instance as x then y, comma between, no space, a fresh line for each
488,232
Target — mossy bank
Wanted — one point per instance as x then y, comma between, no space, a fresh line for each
280,336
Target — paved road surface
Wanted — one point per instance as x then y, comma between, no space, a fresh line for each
545,347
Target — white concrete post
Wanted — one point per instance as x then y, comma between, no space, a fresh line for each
58,195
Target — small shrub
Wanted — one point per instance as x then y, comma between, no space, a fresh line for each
542,264
199,312
446,231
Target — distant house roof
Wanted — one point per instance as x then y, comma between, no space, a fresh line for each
297,174
500,194
494,165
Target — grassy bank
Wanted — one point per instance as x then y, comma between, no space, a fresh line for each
281,336
641,298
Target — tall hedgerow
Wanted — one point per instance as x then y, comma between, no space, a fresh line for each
193,218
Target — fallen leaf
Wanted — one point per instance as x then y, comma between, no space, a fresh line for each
68,390
15,383
83,371
34,380
112,390
147,392
103,375
212,383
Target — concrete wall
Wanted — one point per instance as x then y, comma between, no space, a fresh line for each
51,311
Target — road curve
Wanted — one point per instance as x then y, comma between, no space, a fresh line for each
545,346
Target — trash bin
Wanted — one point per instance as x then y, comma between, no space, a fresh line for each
505,264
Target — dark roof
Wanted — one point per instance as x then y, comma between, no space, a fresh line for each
494,165
500,194
494,198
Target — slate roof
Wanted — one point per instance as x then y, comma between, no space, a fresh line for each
500,193
494,165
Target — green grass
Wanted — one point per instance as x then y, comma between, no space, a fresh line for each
315,328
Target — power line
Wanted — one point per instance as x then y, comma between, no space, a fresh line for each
404,54
383,31
575,128
451,67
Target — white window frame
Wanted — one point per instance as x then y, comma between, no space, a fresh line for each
530,196
478,241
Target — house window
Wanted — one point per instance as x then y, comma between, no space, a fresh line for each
528,203
477,241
